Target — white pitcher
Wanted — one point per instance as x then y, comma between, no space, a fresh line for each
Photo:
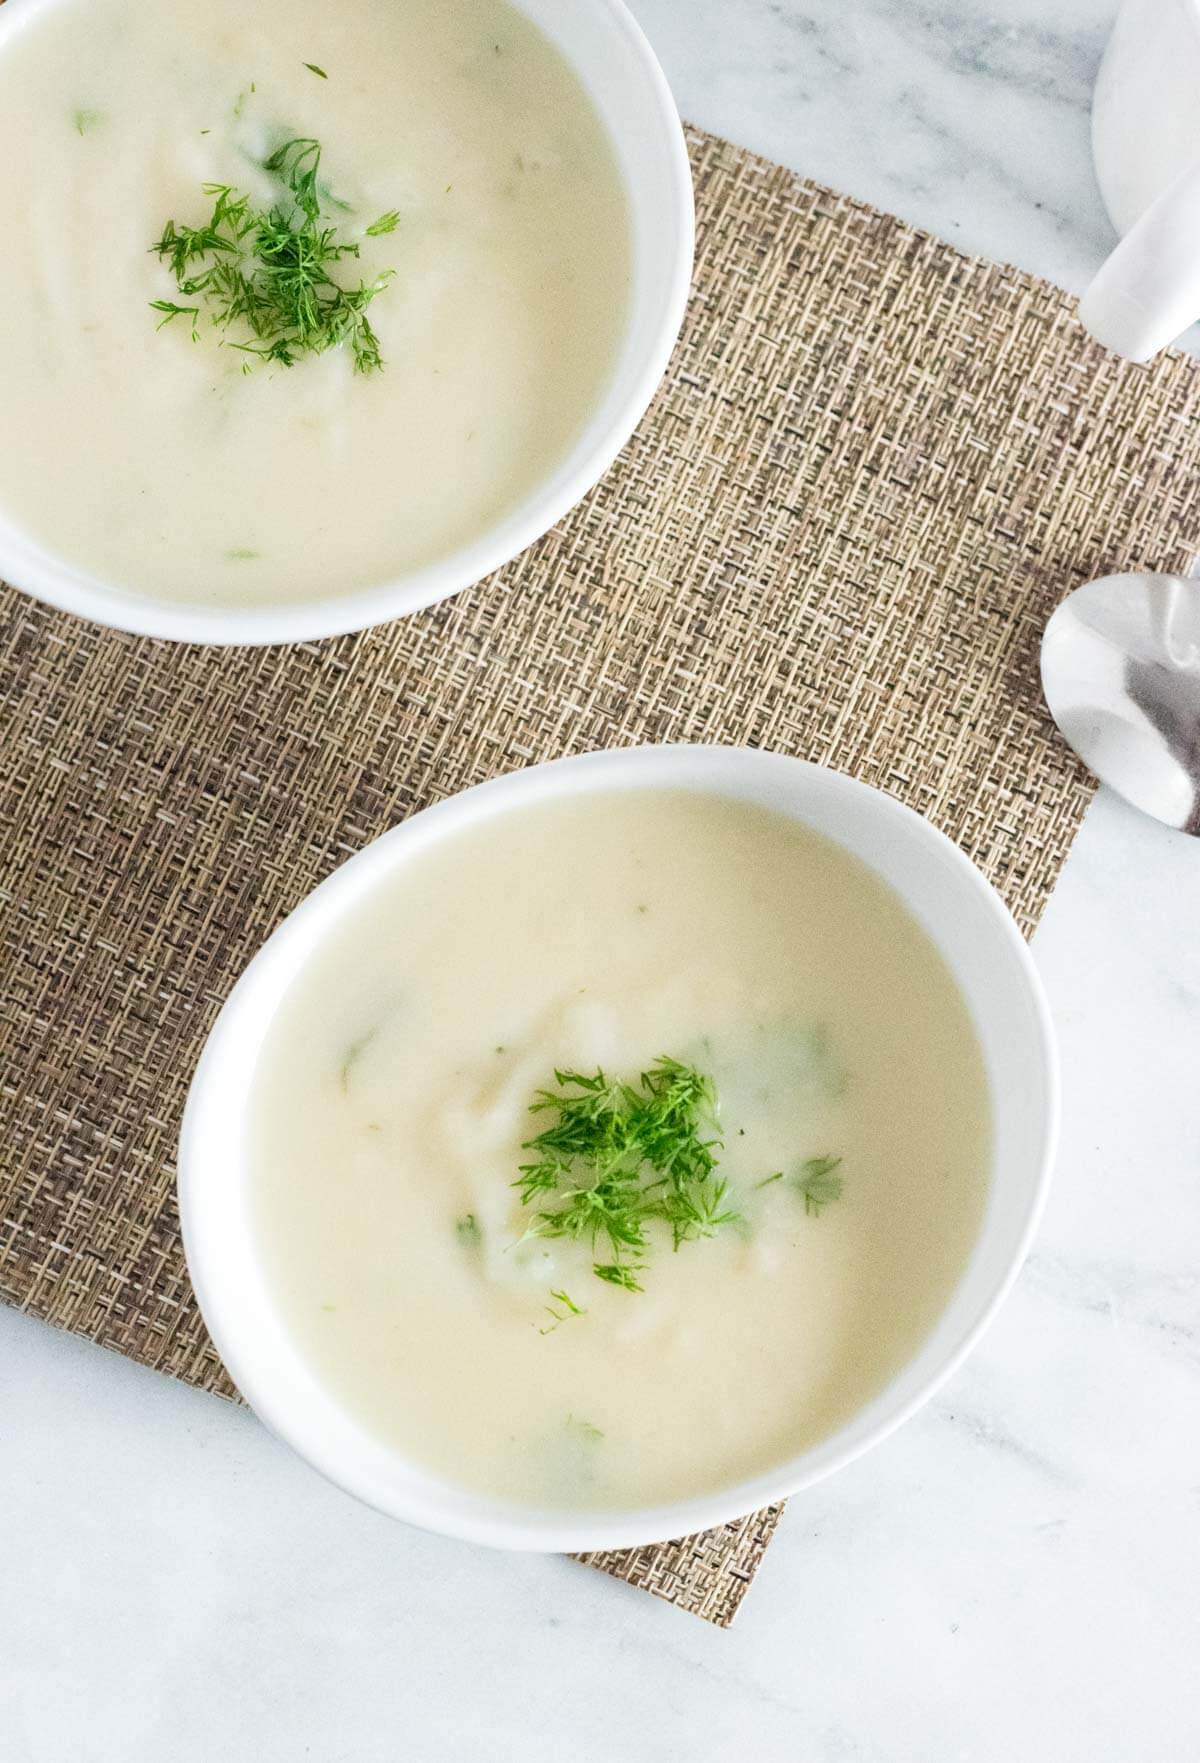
1146,142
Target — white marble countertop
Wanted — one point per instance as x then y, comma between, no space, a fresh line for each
1014,1576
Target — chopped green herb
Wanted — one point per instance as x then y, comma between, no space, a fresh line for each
264,277
387,223
699,1212
171,310
620,1156
86,119
468,1231
241,555
319,71
619,1274
569,1308
817,1182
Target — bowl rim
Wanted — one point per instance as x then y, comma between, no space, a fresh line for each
553,1529
43,575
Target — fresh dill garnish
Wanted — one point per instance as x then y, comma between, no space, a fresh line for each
569,1308
264,276
170,310
469,1232
698,1212
619,1274
387,223
816,1181
619,1157
319,71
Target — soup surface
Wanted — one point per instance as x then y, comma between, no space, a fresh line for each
598,934
157,462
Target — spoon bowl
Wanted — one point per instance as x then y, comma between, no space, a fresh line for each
1121,675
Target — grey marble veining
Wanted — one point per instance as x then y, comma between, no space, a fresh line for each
1013,1577
970,120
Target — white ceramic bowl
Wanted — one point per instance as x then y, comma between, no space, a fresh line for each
960,912
617,66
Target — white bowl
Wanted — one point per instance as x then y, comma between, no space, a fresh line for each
617,66
959,911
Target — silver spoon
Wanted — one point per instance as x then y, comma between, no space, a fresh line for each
1121,674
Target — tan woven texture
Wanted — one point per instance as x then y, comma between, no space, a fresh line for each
873,469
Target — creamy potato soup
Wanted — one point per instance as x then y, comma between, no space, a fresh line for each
296,297
618,1148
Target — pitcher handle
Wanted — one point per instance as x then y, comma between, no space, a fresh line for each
1148,290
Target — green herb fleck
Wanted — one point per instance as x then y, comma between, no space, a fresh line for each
817,1182
242,555
387,223
86,119
619,1274
319,71
170,310
584,1429
356,1049
264,276
569,1308
699,1212
469,1231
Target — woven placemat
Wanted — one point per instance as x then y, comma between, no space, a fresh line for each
873,469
